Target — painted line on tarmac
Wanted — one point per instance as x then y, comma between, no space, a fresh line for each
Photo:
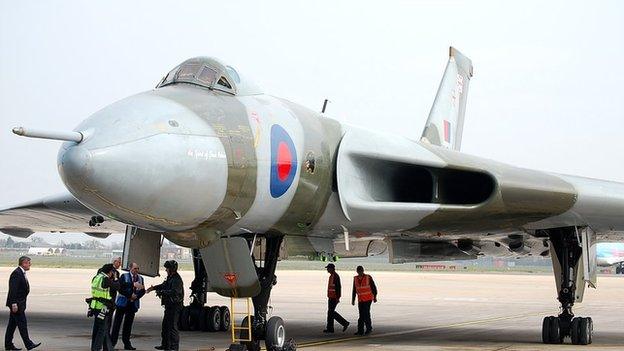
411,331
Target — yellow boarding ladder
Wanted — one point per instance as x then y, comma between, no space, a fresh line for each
233,312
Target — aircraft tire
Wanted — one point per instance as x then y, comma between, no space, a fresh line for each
574,330
225,318
590,328
546,330
583,331
213,319
244,334
555,331
203,324
275,337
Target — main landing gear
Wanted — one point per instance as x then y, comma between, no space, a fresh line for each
197,316
566,252
271,330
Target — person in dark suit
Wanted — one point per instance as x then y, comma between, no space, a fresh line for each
127,305
16,302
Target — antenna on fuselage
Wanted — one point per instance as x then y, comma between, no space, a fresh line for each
324,105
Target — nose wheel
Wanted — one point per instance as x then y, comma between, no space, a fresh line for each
273,329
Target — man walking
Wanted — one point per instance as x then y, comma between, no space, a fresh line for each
127,305
366,291
19,288
171,293
334,290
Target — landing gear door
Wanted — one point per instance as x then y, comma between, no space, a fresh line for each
590,267
230,268
143,247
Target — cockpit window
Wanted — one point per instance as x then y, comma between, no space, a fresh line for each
188,71
210,73
223,82
207,76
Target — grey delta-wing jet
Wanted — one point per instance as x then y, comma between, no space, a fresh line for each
210,162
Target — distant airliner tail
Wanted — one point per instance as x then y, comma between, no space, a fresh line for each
446,119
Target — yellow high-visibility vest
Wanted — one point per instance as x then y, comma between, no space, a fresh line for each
98,293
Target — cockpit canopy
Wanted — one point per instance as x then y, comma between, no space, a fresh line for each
209,73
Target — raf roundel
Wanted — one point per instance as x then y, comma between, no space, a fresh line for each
283,161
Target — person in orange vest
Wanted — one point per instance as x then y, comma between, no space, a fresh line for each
334,290
366,291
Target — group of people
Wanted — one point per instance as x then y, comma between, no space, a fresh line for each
115,299
366,291
112,294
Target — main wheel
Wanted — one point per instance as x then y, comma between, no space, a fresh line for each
213,319
574,330
584,331
546,330
590,327
555,331
225,318
203,317
244,335
195,313
183,322
275,333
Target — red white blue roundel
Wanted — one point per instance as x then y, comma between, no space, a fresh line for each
283,161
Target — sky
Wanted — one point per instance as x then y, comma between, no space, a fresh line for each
547,91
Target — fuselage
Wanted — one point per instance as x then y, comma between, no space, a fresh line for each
199,163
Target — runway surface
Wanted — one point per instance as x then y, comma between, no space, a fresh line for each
416,311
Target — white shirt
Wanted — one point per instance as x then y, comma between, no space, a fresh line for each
23,271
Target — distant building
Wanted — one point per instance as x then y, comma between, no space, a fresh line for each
47,251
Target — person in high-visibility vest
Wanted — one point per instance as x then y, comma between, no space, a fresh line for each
334,290
366,291
101,308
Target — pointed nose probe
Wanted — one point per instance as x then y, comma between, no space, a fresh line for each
52,135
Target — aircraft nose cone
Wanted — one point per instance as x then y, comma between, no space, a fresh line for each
74,163
165,182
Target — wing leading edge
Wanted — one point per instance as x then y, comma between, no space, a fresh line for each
60,213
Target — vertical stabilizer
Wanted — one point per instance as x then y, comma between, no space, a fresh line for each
446,120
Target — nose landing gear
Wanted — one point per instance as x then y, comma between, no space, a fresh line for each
273,329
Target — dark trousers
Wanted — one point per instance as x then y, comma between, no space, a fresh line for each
127,315
100,336
17,320
169,333
333,315
365,316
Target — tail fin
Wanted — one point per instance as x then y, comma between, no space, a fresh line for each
446,119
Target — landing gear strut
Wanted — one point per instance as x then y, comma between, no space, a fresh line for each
271,330
197,316
566,252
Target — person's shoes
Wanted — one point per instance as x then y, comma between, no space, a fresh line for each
359,334
129,347
368,332
33,346
11,348
344,327
328,331
159,347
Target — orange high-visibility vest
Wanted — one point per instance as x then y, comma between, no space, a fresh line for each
331,287
363,288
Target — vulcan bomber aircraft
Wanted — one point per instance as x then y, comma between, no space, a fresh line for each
210,162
